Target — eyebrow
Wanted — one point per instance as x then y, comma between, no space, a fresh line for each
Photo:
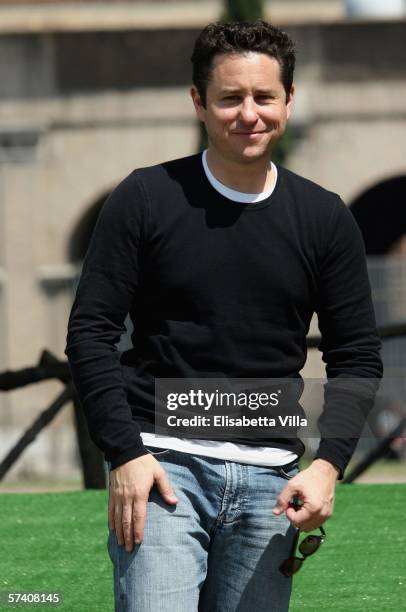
228,90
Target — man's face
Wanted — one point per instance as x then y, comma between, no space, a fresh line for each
246,107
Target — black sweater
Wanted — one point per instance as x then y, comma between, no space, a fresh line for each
215,288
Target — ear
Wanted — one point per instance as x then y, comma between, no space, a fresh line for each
197,103
289,101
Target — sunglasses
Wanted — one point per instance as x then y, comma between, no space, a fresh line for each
307,547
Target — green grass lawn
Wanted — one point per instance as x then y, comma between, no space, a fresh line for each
56,542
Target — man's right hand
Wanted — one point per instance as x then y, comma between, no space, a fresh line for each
130,485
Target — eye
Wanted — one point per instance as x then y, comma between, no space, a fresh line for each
264,98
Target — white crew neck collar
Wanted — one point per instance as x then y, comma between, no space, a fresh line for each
233,194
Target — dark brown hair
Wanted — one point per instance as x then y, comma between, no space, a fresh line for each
241,37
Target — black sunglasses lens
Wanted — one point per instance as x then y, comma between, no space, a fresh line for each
310,544
291,566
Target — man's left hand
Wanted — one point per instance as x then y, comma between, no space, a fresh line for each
315,487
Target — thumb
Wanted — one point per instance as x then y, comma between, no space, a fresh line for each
165,488
282,501
298,517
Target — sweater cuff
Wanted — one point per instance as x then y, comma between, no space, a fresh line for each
334,463
332,458
130,453
337,451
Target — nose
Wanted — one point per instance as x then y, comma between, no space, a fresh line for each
248,111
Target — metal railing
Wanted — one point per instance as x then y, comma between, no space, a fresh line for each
94,477
49,367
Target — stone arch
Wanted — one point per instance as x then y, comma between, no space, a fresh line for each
380,212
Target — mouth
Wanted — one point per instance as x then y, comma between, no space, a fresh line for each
248,133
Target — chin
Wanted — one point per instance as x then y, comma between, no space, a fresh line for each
251,154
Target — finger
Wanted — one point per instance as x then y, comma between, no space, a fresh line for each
309,527
111,510
139,518
303,518
118,517
165,488
313,523
303,514
127,524
283,500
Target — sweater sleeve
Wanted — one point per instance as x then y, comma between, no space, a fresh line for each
106,289
350,343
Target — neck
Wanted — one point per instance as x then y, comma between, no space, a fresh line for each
254,177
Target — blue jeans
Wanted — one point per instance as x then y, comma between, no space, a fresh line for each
218,550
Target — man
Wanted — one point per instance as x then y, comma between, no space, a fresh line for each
221,260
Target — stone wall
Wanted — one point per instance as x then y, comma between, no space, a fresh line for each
80,110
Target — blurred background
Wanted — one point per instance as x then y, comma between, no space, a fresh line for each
90,90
